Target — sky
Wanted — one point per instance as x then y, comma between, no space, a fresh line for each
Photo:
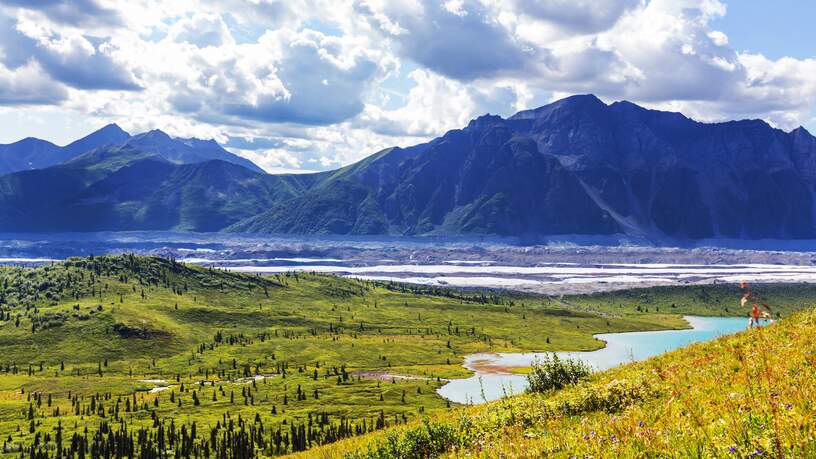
305,85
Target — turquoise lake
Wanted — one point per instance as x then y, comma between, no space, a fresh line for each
620,348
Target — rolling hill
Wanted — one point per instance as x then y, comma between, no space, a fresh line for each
746,395
112,353
122,188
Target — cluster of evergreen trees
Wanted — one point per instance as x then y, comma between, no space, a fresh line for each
230,437
132,425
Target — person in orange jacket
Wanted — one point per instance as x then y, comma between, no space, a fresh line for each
756,315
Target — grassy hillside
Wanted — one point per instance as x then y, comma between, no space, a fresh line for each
746,395
141,355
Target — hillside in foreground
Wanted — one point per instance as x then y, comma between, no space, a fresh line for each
136,355
132,356
745,395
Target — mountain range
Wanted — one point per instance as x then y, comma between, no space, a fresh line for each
31,153
576,166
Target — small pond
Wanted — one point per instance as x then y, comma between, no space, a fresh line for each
493,378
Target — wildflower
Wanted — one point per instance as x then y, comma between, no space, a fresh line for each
731,449
614,438
641,424
586,437
788,406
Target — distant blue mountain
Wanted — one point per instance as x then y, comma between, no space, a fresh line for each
31,153
120,188
111,134
577,166
186,151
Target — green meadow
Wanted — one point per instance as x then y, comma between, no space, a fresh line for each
749,395
125,356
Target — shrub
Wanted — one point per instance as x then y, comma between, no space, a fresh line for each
553,373
430,440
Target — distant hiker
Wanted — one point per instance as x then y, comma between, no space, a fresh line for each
753,319
757,315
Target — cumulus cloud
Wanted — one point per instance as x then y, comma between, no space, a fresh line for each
70,12
315,84
271,13
782,92
457,39
301,77
202,30
275,160
583,16
437,104
68,57
325,79
27,85
668,58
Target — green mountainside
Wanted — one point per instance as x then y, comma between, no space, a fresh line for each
121,188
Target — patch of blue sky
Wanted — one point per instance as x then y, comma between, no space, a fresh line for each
323,27
776,29
243,33
398,84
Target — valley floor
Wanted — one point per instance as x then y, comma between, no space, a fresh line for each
125,355
742,396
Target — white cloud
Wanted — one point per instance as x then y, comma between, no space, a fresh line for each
71,13
65,54
303,77
26,85
581,16
437,104
461,40
306,79
202,30
274,161
719,38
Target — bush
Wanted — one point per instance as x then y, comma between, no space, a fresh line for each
553,373
430,440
